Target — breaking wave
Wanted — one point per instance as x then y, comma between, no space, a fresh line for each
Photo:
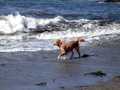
22,33
12,24
17,23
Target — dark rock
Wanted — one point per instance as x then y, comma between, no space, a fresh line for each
2,64
112,0
116,79
62,87
85,55
96,73
41,84
54,80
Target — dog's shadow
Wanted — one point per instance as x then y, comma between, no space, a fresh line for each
74,59
83,56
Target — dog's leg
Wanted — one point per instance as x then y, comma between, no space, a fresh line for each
60,54
78,51
59,57
64,57
72,55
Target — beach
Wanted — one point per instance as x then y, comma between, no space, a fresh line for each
42,71
28,58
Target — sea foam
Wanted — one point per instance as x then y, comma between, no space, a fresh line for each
17,23
22,37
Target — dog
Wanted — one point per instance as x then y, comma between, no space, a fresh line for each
67,47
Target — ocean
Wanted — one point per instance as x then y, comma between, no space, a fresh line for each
28,58
32,25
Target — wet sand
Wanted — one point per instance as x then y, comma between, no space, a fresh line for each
42,71
113,84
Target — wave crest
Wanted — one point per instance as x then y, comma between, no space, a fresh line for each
17,23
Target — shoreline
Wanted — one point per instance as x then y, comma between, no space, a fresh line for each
42,71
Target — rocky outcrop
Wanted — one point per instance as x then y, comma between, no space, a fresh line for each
112,0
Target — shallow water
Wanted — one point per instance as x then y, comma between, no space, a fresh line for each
26,70
33,25
28,29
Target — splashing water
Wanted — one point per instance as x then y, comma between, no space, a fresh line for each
21,33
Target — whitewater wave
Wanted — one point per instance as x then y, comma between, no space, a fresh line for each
23,38
17,23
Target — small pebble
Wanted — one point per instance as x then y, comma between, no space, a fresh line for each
62,87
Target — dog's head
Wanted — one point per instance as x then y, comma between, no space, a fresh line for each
58,43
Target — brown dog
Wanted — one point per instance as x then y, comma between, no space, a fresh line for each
66,47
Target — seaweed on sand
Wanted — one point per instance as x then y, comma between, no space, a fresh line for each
97,73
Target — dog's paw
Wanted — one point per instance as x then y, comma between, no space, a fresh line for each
58,57
61,57
64,58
